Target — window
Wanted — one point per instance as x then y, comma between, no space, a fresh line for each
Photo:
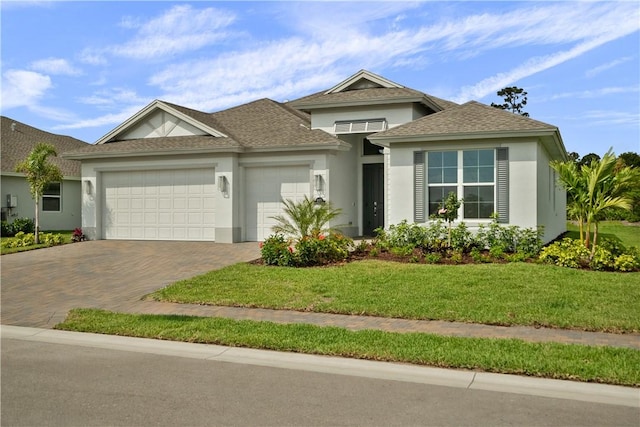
470,174
51,200
360,126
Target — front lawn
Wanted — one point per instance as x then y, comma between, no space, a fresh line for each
550,360
627,234
496,294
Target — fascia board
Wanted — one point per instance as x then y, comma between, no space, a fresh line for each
168,152
315,147
21,175
458,136
368,102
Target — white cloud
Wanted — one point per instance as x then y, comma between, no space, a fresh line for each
595,93
92,57
55,66
599,69
607,117
22,88
105,120
114,97
180,29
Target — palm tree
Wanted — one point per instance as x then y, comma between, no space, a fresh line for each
573,180
594,188
39,173
305,218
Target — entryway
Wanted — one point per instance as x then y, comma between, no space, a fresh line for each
372,197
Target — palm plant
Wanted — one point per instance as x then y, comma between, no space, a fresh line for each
594,188
39,173
305,218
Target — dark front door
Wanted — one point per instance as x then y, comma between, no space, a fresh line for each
373,197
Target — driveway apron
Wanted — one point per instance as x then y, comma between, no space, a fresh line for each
39,287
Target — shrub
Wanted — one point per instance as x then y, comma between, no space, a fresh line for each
6,230
310,251
405,235
626,262
432,257
276,251
566,253
51,239
602,259
461,238
25,225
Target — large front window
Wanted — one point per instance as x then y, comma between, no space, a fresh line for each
470,174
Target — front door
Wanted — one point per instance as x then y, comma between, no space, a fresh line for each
373,197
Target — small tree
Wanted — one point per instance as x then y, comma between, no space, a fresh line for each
515,98
305,218
449,212
39,174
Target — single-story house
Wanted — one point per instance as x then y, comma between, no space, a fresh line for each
60,204
380,151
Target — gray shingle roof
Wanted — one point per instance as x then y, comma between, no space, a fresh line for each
15,146
371,95
471,117
262,124
266,123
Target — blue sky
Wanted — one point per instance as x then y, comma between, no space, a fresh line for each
82,68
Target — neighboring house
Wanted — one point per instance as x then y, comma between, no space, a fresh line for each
377,150
60,204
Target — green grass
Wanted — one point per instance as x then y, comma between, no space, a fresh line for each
629,235
549,360
496,294
67,239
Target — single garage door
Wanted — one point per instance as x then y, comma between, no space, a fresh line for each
159,205
265,188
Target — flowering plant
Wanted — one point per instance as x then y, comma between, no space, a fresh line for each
78,235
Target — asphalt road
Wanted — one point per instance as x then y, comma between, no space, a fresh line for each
75,385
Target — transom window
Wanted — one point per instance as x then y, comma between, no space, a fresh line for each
470,174
51,197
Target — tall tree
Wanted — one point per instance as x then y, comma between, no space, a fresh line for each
587,159
515,98
39,174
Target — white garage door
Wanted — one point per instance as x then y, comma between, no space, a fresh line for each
159,205
265,188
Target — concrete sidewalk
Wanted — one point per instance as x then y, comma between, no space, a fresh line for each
353,322
587,392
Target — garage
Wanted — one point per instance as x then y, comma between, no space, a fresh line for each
266,188
159,204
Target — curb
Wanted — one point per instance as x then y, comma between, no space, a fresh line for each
559,389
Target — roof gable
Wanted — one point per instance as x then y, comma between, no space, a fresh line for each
363,79
17,140
161,119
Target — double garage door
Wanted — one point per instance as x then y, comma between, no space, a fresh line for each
181,204
159,205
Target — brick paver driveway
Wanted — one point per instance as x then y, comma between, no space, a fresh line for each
39,287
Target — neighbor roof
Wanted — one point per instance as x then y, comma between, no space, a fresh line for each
16,142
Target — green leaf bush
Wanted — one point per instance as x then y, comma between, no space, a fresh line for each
307,252
608,256
23,240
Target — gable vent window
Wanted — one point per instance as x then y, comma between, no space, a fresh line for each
360,126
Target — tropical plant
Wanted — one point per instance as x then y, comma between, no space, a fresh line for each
305,219
595,188
39,173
